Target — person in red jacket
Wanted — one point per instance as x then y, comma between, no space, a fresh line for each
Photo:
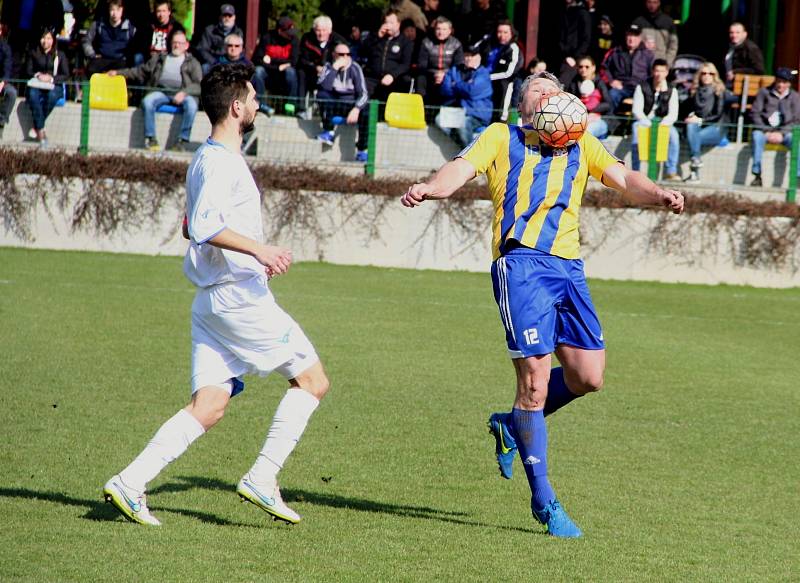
276,57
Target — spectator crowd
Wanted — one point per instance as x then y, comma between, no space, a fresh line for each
470,63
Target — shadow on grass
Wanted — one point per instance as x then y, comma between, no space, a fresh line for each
184,483
101,511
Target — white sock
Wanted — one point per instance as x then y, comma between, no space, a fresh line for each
288,424
170,441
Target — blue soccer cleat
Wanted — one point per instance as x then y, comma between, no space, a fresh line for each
505,444
555,519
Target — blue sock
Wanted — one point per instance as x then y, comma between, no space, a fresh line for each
531,435
558,394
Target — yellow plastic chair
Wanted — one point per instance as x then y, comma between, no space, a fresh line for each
662,143
109,93
405,110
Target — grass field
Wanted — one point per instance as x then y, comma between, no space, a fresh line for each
684,468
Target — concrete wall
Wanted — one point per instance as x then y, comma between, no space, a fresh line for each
373,230
406,152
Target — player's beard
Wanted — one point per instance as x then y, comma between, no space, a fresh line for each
247,126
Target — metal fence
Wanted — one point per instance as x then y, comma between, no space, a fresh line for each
292,135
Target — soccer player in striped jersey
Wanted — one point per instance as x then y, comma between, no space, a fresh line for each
538,277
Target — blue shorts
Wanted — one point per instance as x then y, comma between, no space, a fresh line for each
544,301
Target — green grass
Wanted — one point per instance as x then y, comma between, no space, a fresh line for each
685,467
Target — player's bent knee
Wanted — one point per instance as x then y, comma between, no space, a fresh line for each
589,384
208,405
314,381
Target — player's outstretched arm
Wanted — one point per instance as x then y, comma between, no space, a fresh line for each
276,259
445,182
640,190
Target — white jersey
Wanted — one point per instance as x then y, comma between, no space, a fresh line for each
220,193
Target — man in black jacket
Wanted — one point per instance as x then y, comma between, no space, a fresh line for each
388,58
743,55
212,44
8,94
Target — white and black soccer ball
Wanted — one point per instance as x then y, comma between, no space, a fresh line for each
560,119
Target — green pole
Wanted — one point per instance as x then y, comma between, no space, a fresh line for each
687,5
652,164
372,138
513,117
794,162
769,42
83,149
726,5
510,10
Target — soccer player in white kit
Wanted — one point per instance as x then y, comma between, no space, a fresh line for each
237,327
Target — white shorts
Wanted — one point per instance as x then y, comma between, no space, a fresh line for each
237,329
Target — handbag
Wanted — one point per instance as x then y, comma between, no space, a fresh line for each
36,83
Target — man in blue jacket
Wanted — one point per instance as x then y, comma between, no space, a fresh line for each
342,96
469,86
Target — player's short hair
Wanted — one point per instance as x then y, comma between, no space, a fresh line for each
158,3
540,75
322,21
223,85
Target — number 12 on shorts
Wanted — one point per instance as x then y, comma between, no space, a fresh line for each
531,336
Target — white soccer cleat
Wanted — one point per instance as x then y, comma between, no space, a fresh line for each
268,498
131,503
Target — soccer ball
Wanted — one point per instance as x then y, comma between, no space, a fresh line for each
560,119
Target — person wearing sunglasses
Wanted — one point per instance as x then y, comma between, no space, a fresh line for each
343,94
234,54
706,104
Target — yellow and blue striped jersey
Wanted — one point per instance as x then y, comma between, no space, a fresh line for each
536,190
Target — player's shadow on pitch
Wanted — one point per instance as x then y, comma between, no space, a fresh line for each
183,483
100,511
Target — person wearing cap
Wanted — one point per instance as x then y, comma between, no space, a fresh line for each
316,50
275,58
602,39
661,28
627,66
775,110
212,43
468,85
